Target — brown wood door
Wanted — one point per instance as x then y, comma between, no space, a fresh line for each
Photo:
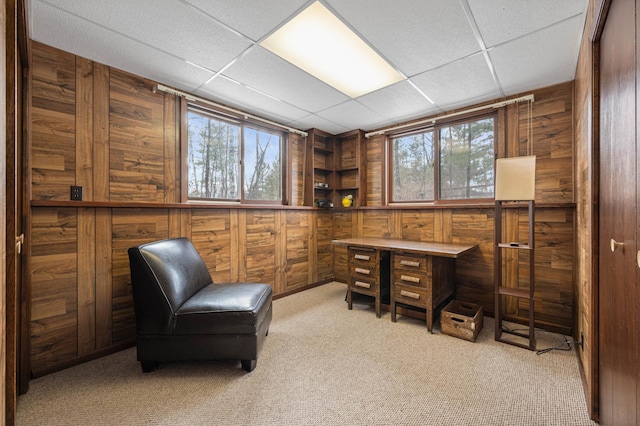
618,293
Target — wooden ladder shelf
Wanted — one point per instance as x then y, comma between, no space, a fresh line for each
502,291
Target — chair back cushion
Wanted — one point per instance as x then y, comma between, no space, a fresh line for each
164,274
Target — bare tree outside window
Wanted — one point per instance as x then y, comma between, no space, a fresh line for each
465,169
413,167
215,169
262,171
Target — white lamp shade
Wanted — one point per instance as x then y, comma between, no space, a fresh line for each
516,178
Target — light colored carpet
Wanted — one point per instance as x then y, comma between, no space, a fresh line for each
325,365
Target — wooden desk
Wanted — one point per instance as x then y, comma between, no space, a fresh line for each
418,274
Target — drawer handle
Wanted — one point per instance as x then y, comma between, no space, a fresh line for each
361,284
410,294
410,279
410,263
363,271
361,257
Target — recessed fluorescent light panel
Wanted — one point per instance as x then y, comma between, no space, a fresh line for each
322,45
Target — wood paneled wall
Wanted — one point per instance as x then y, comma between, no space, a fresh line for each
551,122
106,130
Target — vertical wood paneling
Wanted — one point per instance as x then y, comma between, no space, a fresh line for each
175,224
136,156
552,143
375,224
84,126
86,281
511,260
280,251
238,226
376,167
53,109
171,150
442,225
211,235
474,271
54,324
185,223
104,287
325,249
418,225
313,234
554,266
130,227
261,245
395,223
342,228
512,140
297,248
297,172
100,132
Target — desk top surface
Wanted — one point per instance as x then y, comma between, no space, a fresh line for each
420,247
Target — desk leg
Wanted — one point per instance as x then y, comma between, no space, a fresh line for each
393,310
429,321
349,298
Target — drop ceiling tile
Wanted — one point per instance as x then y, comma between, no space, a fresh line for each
235,95
313,121
167,25
59,29
255,19
399,102
353,115
503,20
414,35
267,73
540,59
461,83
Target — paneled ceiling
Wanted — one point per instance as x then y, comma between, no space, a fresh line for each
453,53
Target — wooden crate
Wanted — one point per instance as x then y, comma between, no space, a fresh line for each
461,319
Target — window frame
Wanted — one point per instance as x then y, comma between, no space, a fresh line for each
435,127
242,122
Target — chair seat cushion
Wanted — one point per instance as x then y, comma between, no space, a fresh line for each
224,309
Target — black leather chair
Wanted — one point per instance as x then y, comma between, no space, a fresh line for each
182,315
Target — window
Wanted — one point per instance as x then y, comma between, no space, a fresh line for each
232,160
414,167
460,156
262,174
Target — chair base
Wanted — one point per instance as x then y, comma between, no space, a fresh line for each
245,347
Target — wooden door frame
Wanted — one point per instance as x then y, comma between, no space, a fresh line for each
593,398
12,312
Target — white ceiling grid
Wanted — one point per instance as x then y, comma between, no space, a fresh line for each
445,48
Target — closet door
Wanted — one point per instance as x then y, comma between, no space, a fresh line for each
618,293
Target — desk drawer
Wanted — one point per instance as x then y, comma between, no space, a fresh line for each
407,262
363,258
410,295
363,285
364,271
409,279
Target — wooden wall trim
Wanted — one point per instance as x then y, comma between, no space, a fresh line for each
7,391
196,206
